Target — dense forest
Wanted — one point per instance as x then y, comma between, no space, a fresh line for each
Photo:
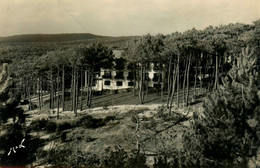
222,60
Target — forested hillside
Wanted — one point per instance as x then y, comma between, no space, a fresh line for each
49,37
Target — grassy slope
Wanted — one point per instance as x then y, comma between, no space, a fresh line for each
120,132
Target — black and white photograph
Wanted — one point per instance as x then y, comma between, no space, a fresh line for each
129,83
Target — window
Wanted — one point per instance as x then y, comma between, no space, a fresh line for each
107,83
130,83
119,83
107,74
119,75
130,76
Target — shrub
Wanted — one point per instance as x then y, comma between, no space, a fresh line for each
63,126
68,156
51,126
161,111
88,138
109,118
43,124
63,136
38,125
116,158
33,106
136,161
222,134
41,153
141,110
134,118
90,122
119,158
161,162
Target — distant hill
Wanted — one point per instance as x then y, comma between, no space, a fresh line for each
50,37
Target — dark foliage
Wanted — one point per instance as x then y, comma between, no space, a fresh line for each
63,136
38,125
63,126
109,118
90,122
226,135
43,125
51,126
15,136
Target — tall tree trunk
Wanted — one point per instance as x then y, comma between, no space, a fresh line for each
72,90
195,78
138,77
90,91
143,82
77,89
146,84
134,73
34,88
41,88
58,96
174,76
29,94
169,84
188,82
216,73
158,81
141,85
52,102
201,80
178,80
81,89
50,94
184,81
162,84
39,93
88,81
75,93
63,88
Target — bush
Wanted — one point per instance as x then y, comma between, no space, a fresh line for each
41,153
109,118
90,122
38,125
63,136
63,126
43,124
222,133
136,161
68,156
33,106
88,138
51,126
116,158
119,158
161,162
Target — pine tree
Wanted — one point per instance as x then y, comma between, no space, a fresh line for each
226,134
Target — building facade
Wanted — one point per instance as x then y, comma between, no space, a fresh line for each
111,79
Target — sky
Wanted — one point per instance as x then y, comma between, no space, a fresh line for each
121,17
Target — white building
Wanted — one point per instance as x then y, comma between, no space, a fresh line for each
115,80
